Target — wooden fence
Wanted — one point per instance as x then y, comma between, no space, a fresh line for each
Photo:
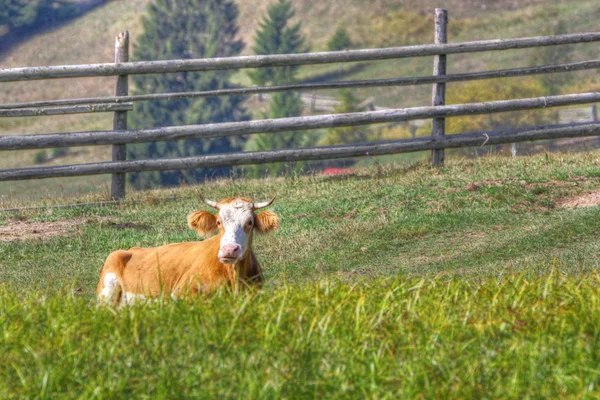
121,103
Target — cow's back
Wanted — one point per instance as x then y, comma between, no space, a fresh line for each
153,271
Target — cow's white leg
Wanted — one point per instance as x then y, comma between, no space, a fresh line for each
110,289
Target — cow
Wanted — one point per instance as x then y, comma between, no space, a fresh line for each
191,268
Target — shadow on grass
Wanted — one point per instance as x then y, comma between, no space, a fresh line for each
13,39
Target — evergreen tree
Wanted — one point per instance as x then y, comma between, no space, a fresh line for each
17,13
347,134
185,29
52,11
340,40
22,14
276,36
551,55
282,105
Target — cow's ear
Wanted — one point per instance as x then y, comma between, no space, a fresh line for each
202,222
267,221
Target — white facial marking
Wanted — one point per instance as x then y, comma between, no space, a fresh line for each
111,284
234,217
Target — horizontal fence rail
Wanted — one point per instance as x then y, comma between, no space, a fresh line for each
318,153
286,124
171,66
78,109
420,80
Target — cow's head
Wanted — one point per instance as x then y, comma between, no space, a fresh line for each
236,220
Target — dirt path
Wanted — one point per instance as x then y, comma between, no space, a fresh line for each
21,230
580,201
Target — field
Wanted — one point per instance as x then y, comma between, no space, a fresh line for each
477,280
405,337
90,39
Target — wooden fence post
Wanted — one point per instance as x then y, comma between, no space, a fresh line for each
438,127
595,119
119,152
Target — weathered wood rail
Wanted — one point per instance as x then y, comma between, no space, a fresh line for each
318,153
211,131
420,80
280,60
62,110
122,102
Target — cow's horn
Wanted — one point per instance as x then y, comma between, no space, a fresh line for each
258,206
211,203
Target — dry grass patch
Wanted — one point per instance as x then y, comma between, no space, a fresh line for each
580,201
17,230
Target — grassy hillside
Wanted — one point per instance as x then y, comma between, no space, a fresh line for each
384,23
475,280
89,39
480,216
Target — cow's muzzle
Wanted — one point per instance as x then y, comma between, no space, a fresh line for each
230,253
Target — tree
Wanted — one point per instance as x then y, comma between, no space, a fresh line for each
551,55
340,40
52,11
347,134
175,29
282,105
22,14
493,90
276,36
17,13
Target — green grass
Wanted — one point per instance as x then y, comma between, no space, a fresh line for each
397,282
402,281
381,221
394,338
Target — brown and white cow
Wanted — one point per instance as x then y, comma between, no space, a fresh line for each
182,269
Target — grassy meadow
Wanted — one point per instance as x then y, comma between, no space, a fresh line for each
478,280
380,339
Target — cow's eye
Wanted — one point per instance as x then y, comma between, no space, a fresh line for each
249,223
219,223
